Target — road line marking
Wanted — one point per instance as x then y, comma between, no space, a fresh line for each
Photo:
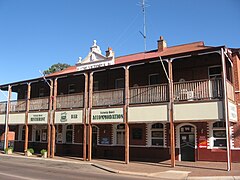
15,176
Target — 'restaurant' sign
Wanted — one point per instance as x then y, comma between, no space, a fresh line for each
63,117
38,118
107,115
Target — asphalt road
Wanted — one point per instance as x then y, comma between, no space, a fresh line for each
12,168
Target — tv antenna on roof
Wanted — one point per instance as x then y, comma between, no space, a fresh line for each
144,34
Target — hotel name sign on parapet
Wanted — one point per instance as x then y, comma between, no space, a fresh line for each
95,58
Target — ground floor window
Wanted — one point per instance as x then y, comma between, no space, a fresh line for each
23,133
219,134
37,135
120,134
69,134
157,134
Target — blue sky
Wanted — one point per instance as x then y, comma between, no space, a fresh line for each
34,34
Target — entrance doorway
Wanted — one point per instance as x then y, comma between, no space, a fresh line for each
94,140
187,143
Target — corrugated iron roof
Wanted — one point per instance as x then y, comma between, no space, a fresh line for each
147,55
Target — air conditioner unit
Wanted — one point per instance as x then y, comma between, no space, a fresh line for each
190,95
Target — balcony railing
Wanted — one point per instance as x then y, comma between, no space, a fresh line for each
109,97
149,94
18,106
70,101
198,90
183,91
3,106
39,104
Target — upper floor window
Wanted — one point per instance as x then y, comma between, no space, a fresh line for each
157,131
41,92
153,79
95,85
71,88
219,134
119,83
214,72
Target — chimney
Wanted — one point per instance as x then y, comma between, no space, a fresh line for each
109,52
162,44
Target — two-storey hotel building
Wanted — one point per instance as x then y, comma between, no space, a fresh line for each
179,102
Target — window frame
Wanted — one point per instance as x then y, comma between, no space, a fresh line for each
221,128
71,88
72,133
152,75
120,131
157,138
216,76
118,82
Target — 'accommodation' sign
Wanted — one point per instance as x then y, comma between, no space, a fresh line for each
107,115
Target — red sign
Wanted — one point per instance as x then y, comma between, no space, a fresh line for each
202,142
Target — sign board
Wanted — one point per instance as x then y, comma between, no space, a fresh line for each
202,142
112,115
94,65
2,118
38,118
148,113
18,118
232,109
64,117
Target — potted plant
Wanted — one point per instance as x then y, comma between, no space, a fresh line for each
30,151
8,150
44,153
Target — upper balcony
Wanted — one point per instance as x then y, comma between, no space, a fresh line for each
188,91
70,101
199,90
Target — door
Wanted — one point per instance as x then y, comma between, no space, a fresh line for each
187,143
94,141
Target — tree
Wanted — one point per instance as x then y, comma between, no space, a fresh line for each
55,68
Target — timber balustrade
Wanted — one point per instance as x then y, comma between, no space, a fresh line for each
3,107
149,94
70,101
183,91
18,106
108,97
198,90
39,104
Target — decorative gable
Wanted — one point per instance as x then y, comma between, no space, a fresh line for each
95,58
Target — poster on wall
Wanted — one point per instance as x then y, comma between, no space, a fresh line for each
104,140
202,142
232,108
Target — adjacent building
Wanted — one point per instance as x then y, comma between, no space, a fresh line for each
178,102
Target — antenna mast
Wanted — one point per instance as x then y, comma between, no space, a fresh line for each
144,34
144,25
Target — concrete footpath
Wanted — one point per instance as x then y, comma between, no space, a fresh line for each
163,170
